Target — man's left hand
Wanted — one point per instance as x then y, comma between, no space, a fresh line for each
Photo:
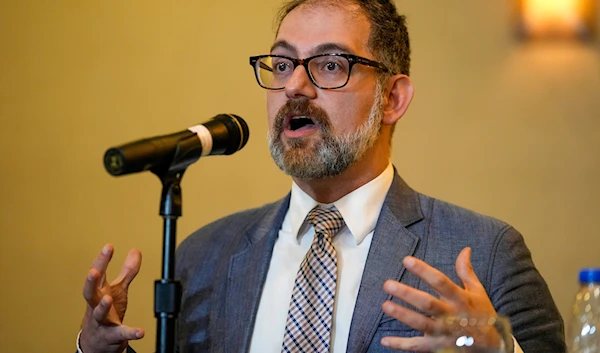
472,300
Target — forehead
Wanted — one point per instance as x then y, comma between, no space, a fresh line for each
314,29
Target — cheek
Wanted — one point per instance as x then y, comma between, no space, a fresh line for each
350,113
273,106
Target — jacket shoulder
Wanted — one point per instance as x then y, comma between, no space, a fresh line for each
230,229
453,219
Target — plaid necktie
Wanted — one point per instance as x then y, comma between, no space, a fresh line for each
308,327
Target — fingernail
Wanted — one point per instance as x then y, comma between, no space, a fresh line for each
106,249
385,342
409,261
389,286
90,277
138,334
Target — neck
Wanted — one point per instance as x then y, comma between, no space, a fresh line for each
369,167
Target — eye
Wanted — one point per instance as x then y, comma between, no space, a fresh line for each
332,66
282,66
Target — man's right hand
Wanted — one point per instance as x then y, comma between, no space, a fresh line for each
102,329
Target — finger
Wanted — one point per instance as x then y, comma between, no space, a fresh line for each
118,334
131,267
419,299
413,319
105,313
91,293
102,310
102,260
413,344
438,281
465,271
108,338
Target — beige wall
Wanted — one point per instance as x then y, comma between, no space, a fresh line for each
505,128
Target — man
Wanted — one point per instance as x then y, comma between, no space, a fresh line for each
353,259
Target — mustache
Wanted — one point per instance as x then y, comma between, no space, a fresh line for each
304,108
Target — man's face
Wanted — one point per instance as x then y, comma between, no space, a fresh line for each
316,133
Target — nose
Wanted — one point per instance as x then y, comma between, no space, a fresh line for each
300,85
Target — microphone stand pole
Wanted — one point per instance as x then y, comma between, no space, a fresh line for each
167,291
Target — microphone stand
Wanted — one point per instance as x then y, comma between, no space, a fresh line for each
167,290
223,134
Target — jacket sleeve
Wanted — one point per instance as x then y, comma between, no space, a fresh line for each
518,290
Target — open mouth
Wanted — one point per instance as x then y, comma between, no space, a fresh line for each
300,123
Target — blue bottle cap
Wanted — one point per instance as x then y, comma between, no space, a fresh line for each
589,275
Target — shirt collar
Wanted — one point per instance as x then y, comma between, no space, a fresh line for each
360,208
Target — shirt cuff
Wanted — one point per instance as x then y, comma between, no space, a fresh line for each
77,342
517,347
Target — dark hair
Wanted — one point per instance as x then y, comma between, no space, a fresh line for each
388,40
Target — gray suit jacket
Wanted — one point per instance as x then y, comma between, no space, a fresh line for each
223,267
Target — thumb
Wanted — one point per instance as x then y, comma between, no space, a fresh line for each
465,272
131,267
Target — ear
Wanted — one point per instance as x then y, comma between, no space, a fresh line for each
399,93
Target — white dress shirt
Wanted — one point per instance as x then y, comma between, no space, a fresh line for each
360,210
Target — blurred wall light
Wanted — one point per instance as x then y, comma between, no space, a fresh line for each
556,19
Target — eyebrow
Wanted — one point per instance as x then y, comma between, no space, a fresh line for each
283,45
325,48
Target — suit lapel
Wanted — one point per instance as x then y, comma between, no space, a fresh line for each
247,272
392,241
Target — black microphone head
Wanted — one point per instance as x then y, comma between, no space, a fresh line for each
114,161
237,130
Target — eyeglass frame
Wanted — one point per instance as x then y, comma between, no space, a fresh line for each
352,60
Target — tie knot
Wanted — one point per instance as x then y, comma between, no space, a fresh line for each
326,222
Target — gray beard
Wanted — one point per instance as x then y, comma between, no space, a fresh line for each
332,154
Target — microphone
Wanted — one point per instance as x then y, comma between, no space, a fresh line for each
223,134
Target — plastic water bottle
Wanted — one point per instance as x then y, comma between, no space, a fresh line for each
583,333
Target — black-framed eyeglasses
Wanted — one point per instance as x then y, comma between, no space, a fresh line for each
326,71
